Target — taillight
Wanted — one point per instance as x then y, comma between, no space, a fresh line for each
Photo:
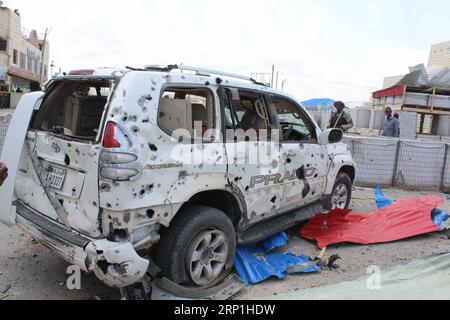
120,164
110,140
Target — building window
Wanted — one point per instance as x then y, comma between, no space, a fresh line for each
2,44
36,66
29,64
23,59
15,54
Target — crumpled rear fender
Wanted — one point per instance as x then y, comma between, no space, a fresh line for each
116,264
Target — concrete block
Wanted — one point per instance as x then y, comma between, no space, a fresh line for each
375,159
363,118
420,165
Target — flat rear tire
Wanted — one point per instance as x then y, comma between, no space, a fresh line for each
198,248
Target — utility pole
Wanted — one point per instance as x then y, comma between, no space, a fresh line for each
43,55
278,73
273,71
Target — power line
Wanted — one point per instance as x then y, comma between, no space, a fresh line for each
207,55
321,81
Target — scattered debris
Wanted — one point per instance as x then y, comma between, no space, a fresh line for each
5,289
332,262
403,219
4,296
255,264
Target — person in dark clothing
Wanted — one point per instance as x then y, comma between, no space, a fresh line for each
397,116
341,119
391,126
35,86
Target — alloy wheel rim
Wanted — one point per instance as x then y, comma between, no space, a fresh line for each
208,257
340,197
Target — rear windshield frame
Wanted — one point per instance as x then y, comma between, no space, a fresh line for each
51,85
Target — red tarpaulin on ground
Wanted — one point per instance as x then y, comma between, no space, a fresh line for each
404,219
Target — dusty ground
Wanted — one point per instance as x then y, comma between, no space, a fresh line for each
33,272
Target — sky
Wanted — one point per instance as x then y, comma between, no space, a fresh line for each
339,49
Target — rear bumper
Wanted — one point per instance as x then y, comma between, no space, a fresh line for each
123,266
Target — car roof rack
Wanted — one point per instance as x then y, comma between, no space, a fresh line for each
199,71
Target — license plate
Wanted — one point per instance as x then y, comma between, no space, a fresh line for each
56,177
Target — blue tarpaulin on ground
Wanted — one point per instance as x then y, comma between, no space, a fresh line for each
381,200
280,240
439,216
255,264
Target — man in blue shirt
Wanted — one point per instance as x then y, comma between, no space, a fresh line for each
391,126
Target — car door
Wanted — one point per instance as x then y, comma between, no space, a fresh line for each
12,151
253,154
305,162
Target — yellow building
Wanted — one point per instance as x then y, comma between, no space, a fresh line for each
22,58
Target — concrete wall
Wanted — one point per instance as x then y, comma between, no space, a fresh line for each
364,116
14,99
408,125
443,125
4,125
375,161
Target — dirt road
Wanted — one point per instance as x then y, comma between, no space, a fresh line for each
31,271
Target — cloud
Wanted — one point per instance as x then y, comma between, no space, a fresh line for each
321,53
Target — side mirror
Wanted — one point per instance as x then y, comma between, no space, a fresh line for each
331,136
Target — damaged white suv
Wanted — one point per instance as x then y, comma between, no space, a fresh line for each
112,169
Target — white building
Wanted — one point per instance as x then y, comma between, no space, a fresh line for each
22,58
439,58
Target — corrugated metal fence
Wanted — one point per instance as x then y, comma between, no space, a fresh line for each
405,164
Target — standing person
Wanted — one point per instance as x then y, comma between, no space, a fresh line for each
391,125
35,86
3,173
397,116
341,119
